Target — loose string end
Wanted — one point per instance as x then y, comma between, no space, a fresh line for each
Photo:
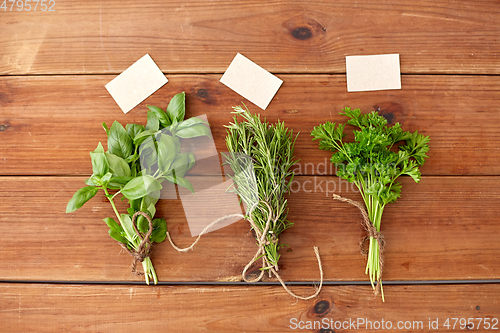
178,248
184,250
318,289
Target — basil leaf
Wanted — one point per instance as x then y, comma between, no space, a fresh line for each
193,131
158,223
148,155
134,129
94,180
131,210
140,186
99,163
176,109
132,158
139,138
181,164
117,183
128,228
153,122
118,165
143,224
184,183
119,142
116,236
151,209
80,198
153,186
134,189
148,206
192,161
181,182
160,232
190,122
161,115
105,179
106,129
177,144
166,151
112,224
158,235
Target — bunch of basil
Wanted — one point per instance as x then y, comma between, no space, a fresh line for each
138,160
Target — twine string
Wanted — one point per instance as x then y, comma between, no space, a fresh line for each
144,249
190,247
261,251
372,232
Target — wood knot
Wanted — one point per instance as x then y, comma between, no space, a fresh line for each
322,307
326,330
253,274
391,111
304,27
3,127
302,33
202,93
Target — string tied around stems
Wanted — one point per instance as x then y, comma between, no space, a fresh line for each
144,249
372,232
261,243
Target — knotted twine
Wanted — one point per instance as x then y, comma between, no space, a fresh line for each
144,249
262,242
372,232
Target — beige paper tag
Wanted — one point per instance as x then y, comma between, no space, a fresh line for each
251,81
373,72
136,83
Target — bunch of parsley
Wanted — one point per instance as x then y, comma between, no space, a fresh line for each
373,163
138,160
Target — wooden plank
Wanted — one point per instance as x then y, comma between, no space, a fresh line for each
51,123
202,37
97,308
444,228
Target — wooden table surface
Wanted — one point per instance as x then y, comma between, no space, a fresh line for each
63,273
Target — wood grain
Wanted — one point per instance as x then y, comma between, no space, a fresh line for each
202,37
53,68
51,123
100,308
444,228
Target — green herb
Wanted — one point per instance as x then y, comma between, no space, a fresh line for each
270,148
138,160
373,163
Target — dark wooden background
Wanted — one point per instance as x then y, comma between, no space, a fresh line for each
63,273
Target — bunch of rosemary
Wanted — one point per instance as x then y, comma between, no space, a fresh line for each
270,148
